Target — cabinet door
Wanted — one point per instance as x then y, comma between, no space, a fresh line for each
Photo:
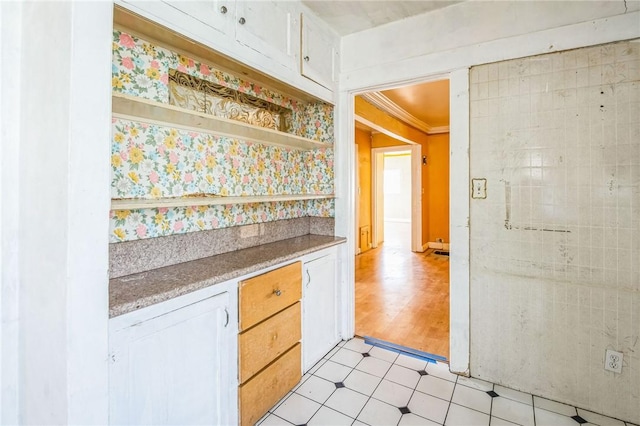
218,14
320,310
266,27
319,53
175,368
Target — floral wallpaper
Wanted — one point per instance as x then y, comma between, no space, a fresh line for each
151,161
129,225
142,69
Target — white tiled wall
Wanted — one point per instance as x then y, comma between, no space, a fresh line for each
555,246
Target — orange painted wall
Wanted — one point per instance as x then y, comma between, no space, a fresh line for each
363,140
437,187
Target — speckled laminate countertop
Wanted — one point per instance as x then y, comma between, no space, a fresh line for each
131,292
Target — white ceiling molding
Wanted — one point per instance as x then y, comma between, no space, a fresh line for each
387,105
380,129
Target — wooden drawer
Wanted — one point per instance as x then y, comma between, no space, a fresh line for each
268,340
269,386
266,294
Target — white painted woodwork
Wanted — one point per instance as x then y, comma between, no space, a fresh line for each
144,203
318,57
319,308
138,109
272,37
175,367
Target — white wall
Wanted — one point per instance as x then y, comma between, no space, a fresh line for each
452,40
56,65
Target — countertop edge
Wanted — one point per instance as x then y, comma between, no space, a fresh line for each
123,308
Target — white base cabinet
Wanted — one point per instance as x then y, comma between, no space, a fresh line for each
175,362
319,307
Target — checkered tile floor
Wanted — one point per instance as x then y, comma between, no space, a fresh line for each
357,384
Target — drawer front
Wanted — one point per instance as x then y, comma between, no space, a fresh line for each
266,294
268,340
269,386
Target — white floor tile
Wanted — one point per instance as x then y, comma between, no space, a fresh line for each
499,422
475,383
377,413
515,395
283,399
393,394
316,366
358,345
273,420
347,402
297,409
472,398
301,382
429,407
411,362
513,411
556,407
463,416
333,371
441,370
436,387
549,418
383,354
326,416
347,357
599,419
403,376
331,352
374,366
362,382
317,389
415,420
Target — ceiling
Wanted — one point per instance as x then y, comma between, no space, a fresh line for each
347,17
428,102
424,106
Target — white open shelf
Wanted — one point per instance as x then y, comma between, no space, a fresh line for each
139,109
144,203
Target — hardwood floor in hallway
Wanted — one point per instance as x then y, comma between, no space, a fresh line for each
403,297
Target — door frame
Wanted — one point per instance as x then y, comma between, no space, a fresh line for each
459,282
377,184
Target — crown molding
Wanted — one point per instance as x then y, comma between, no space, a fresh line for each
387,105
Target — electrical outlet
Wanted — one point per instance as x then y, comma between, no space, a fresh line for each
613,361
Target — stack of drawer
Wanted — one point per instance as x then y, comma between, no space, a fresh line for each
269,340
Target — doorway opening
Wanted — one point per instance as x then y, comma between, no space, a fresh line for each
402,284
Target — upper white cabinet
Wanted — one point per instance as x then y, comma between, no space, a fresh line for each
319,52
320,308
267,27
218,14
175,362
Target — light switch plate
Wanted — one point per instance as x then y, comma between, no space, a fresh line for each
478,188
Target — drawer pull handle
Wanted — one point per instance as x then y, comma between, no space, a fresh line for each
306,59
223,9
241,21
277,292
227,313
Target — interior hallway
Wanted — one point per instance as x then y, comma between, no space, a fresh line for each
403,297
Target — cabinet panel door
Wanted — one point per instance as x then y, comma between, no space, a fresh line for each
266,27
174,368
318,58
218,14
320,309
